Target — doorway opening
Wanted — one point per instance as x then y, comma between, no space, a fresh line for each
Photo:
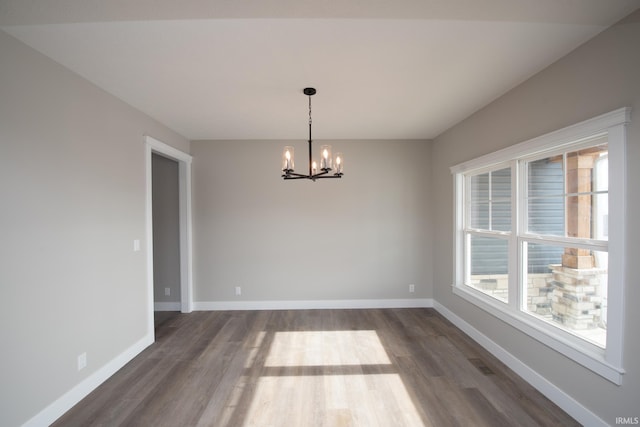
165,201
168,224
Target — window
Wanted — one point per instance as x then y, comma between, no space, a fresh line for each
534,245
488,228
564,252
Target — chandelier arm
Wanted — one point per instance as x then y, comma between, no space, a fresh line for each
296,177
319,174
290,173
312,177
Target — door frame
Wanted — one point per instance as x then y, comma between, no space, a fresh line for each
184,160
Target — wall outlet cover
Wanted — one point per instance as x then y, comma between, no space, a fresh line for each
82,361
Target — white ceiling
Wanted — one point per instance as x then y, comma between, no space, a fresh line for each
402,69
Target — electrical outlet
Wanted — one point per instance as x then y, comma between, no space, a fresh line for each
238,291
136,245
167,292
412,288
82,361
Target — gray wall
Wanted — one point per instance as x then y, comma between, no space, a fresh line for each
600,76
72,180
365,236
166,229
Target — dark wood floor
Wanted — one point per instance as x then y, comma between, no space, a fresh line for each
378,367
160,317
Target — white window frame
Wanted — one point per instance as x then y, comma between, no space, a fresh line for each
606,362
509,236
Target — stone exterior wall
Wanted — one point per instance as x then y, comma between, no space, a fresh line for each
576,301
539,294
566,296
538,290
495,285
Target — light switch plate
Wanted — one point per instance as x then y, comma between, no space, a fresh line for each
82,361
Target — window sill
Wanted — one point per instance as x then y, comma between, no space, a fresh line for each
581,352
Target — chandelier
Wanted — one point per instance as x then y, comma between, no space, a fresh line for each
327,162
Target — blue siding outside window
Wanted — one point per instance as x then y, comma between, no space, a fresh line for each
546,211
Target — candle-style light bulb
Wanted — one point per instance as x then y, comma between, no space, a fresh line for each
287,158
339,163
314,168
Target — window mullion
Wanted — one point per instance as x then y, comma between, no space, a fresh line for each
564,185
467,202
515,293
490,196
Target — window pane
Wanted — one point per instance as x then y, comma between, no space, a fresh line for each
501,184
501,216
490,200
545,177
601,220
545,202
479,208
579,217
546,215
489,259
571,291
582,183
581,174
566,194
480,215
480,188
601,205
539,257
501,200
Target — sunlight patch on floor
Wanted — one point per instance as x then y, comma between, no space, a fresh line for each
330,378
326,348
332,400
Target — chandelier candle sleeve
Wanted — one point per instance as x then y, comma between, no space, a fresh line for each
339,163
325,158
287,158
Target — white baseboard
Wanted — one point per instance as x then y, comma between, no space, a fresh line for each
167,306
311,304
61,405
556,395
